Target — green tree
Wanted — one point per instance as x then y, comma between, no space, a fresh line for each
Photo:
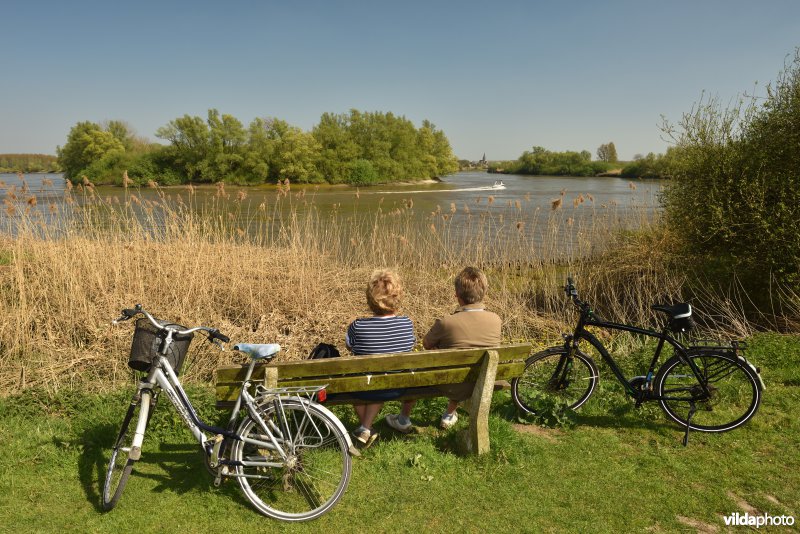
122,131
295,153
226,146
189,138
28,163
338,150
607,152
542,162
362,173
86,143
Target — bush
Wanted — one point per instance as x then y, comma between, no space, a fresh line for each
154,166
649,166
363,173
736,184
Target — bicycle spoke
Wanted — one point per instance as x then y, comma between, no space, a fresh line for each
726,398
552,378
313,475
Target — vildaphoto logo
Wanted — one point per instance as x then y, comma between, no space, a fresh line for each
764,520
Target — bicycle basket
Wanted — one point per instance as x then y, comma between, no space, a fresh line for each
147,341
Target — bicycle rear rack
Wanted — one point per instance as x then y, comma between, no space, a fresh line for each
733,345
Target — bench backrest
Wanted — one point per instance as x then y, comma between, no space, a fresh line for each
379,371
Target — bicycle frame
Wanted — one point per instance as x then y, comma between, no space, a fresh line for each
163,376
587,318
290,455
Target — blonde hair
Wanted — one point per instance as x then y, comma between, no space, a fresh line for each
471,285
384,292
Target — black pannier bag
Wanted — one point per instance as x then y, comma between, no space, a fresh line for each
147,341
323,350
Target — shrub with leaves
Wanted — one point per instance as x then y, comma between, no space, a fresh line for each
735,193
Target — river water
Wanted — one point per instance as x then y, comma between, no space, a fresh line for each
539,205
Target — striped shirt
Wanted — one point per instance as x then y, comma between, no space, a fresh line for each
380,335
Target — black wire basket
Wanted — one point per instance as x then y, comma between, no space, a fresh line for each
147,341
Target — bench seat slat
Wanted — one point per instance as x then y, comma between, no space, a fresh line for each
348,384
376,363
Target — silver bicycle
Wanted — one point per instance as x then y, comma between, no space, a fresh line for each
290,455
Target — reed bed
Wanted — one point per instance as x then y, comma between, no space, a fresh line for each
286,270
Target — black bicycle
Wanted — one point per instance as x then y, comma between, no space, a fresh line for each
706,387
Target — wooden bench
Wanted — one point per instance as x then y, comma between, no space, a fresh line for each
422,371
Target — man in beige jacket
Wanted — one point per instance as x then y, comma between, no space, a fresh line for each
471,325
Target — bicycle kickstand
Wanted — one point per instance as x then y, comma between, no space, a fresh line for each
692,409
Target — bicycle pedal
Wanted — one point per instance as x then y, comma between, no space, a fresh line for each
221,474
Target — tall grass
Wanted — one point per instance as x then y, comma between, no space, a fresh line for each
286,270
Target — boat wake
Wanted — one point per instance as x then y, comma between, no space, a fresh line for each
460,190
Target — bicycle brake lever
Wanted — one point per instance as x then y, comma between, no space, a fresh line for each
119,320
219,344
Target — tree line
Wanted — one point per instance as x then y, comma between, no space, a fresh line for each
29,163
542,162
358,147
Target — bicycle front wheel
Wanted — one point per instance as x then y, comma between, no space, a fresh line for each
123,456
553,376
735,391
315,473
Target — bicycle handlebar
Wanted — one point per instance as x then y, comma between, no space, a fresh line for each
214,335
570,290
572,293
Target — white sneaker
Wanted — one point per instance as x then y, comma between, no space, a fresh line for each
393,420
448,420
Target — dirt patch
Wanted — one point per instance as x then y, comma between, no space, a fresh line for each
698,525
550,434
743,504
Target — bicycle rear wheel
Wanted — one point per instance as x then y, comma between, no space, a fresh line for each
311,480
122,454
735,391
552,376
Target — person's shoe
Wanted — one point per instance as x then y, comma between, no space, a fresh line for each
448,420
393,420
365,436
361,434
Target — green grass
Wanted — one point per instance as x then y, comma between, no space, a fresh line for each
616,468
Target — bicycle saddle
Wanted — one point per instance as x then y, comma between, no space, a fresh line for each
675,311
258,351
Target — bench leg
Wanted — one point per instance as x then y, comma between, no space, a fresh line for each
477,438
270,377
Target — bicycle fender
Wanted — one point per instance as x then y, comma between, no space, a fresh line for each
350,447
755,371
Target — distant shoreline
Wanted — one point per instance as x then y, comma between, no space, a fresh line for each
202,185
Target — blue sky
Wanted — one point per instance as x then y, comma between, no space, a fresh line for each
497,77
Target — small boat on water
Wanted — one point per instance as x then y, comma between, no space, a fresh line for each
494,187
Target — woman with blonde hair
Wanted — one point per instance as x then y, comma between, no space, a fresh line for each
384,332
